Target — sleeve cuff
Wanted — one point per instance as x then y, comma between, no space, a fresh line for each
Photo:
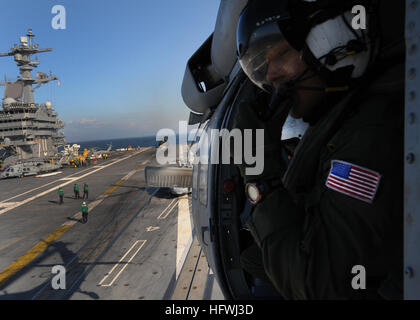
274,214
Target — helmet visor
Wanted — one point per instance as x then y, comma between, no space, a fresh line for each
253,58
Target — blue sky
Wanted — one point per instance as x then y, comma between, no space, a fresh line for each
120,62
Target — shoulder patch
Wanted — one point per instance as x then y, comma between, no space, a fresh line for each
352,180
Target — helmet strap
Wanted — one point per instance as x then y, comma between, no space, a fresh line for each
293,84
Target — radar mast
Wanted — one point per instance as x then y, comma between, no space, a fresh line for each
22,55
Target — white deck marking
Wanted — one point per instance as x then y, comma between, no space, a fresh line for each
173,200
8,204
168,210
128,176
48,174
151,228
123,264
184,238
17,204
47,184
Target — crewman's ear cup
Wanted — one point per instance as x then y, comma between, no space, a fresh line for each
332,34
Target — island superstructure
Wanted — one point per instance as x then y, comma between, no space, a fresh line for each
28,131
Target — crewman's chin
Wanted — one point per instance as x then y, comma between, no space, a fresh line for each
295,115
296,110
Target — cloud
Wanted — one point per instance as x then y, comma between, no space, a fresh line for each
86,123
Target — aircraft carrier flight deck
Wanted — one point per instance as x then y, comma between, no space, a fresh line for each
137,244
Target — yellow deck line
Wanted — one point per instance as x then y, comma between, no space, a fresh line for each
113,188
35,251
124,179
31,254
19,239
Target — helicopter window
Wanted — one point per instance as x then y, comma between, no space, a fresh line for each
203,182
197,166
195,183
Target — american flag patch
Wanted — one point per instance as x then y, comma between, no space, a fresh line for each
352,180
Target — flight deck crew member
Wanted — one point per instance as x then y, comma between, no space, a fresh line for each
338,203
60,194
85,209
85,191
76,191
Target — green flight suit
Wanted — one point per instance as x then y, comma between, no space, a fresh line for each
85,209
312,236
61,195
76,189
85,191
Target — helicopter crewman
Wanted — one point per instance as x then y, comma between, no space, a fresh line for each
338,204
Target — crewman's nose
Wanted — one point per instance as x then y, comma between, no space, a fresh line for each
273,73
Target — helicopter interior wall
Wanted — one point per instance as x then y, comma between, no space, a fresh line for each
234,239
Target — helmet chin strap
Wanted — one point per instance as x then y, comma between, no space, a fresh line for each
284,98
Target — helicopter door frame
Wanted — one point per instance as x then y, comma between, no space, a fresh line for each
412,153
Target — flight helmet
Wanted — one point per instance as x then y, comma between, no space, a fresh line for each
320,30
